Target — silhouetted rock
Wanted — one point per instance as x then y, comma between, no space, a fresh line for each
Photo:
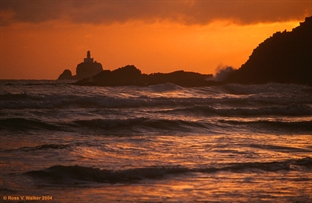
286,57
130,75
85,69
181,78
66,75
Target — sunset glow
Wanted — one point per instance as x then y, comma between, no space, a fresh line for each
42,49
156,100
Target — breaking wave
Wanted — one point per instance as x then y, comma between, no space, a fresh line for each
139,124
60,174
274,125
159,108
160,95
288,110
149,125
24,100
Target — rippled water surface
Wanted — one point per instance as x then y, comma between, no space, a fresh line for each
162,143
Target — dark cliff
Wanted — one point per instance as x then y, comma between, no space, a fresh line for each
286,57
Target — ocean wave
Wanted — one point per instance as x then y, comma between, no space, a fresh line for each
278,148
60,174
299,126
130,125
240,89
34,82
140,124
164,87
11,96
149,125
28,101
44,147
288,110
25,100
137,123
109,123
49,96
26,124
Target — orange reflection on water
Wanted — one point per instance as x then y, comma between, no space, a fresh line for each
222,186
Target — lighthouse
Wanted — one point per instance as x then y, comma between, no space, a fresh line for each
88,67
85,69
88,59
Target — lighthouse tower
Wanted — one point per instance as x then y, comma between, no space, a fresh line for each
88,68
88,59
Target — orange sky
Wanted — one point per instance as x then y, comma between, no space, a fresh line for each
39,41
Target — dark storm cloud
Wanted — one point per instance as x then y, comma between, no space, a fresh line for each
181,11
29,11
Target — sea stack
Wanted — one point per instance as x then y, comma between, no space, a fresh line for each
85,69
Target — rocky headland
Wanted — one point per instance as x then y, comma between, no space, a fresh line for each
285,57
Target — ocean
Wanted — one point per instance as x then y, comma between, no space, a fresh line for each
164,143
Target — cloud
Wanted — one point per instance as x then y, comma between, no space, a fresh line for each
180,11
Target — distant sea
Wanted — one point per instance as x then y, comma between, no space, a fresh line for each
162,143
